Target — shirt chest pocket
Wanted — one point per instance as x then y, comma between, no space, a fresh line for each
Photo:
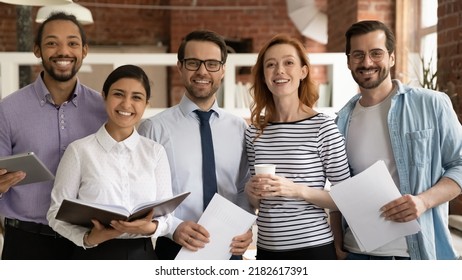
419,147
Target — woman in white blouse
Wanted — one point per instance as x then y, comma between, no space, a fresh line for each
115,166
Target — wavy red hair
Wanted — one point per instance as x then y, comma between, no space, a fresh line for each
263,108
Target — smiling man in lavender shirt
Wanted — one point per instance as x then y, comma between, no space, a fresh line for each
44,117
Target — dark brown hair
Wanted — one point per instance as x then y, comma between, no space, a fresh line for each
367,26
60,16
206,36
131,72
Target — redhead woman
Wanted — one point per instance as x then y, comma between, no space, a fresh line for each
306,148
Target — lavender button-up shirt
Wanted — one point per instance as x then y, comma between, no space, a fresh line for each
30,122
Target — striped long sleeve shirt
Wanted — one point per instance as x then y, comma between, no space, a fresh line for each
307,152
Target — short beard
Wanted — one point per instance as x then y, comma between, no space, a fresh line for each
60,77
201,95
383,74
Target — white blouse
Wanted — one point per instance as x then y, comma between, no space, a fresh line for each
99,169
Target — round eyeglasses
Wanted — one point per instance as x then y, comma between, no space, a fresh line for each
375,55
193,64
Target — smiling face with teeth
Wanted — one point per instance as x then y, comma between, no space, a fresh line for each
283,70
369,74
201,85
126,101
61,50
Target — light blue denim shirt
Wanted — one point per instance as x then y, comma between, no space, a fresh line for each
426,139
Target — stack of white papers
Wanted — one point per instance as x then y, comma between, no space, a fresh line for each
360,199
223,220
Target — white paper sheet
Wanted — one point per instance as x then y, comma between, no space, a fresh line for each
223,220
360,199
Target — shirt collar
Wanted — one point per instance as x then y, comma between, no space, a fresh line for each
398,86
108,143
188,107
44,94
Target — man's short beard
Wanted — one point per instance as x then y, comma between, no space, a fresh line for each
371,85
61,78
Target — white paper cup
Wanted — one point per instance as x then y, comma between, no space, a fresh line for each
265,169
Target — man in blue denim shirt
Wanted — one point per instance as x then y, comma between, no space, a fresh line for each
416,132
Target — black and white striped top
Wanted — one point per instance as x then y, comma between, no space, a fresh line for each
306,152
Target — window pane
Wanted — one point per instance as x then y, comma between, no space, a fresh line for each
429,13
429,47
428,51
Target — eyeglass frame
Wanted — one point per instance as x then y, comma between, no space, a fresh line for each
184,62
369,54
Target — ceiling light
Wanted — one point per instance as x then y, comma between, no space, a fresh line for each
36,2
82,14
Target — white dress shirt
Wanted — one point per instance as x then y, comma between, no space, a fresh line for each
177,129
99,169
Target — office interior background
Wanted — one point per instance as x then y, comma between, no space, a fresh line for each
428,33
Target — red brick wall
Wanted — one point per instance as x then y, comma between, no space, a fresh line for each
129,26
450,50
347,12
112,25
382,10
7,28
259,24
450,62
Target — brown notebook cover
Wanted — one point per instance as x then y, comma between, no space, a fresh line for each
81,213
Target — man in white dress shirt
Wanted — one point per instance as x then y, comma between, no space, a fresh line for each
201,60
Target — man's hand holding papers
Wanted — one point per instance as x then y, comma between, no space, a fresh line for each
223,220
361,198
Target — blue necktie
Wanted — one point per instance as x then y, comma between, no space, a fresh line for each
208,157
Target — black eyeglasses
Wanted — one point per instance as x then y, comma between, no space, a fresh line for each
375,55
193,64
